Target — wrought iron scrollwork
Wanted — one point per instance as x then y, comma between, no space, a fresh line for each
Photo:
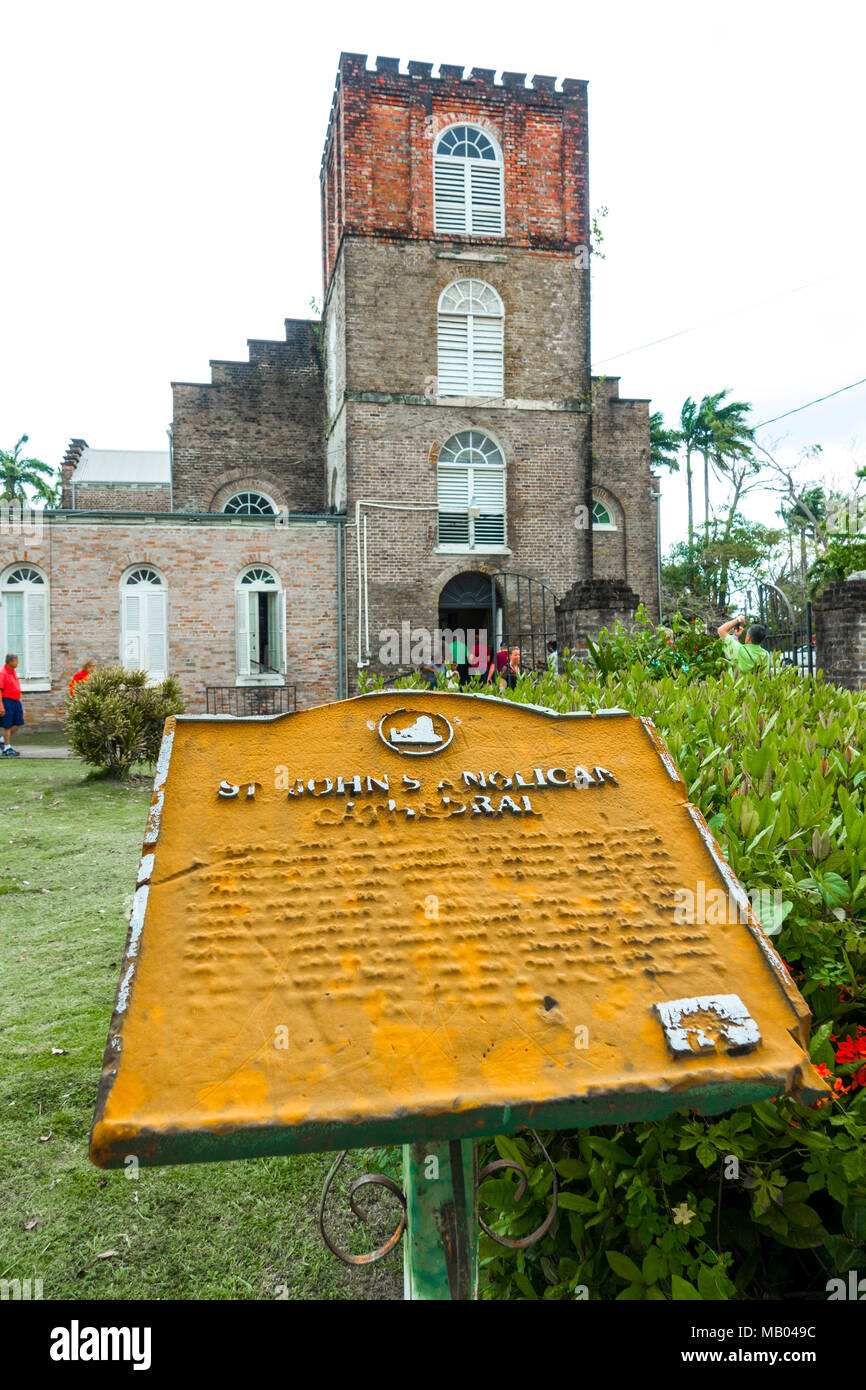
368,1180
541,1231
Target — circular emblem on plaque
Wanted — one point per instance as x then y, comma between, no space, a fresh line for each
415,732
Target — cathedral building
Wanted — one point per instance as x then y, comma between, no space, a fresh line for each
433,453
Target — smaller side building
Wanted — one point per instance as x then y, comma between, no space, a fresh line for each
220,601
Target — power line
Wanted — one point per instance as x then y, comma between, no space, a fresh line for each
717,319
817,401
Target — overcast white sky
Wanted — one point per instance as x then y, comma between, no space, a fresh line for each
160,191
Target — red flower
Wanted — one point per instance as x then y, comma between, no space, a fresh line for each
851,1049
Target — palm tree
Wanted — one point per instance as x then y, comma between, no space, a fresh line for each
808,515
17,474
691,433
664,444
724,437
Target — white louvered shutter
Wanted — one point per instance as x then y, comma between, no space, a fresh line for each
242,631
485,196
276,632
487,378
255,637
454,355
488,494
14,640
449,195
453,504
280,609
156,655
132,632
35,635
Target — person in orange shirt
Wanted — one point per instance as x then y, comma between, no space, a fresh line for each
81,675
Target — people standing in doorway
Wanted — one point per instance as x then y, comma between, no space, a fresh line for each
81,675
479,659
498,667
553,658
512,671
458,655
11,711
431,671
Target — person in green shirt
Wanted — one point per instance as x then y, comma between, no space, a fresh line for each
458,655
748,655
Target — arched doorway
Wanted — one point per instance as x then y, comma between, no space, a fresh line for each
467,606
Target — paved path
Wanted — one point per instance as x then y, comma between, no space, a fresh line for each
37,750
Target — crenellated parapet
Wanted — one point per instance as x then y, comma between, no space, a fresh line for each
376,173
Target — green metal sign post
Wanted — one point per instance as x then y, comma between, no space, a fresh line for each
440,1245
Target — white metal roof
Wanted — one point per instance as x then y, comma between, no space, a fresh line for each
122,466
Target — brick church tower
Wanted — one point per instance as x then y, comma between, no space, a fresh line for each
455,241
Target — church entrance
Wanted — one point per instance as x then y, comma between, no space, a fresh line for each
466,607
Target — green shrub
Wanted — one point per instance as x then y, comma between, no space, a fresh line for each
115,719
685,648
843,556
776,764
653,1210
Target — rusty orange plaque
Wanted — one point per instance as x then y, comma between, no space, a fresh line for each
415,914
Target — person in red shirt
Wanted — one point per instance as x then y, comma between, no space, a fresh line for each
81,675
11,713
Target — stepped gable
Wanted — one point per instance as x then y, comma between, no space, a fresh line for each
257,424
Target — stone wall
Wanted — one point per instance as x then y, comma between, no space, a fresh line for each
839,618
621,470
590,606
258,423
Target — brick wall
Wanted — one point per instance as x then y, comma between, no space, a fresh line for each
391,316
84,561
377,170
839,616
589,607
261,420
94,497
621,473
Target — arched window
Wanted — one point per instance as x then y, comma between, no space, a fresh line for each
144,622
467,183
602,517
250,504
470,340
260,625
24,621
471,479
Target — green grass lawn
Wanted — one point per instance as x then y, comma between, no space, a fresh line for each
69,850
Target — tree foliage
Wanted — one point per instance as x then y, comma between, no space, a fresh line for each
17,474
115,719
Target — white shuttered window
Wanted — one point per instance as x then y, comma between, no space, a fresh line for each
467,183
24,621
470,340
260,625
471,478
144,622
